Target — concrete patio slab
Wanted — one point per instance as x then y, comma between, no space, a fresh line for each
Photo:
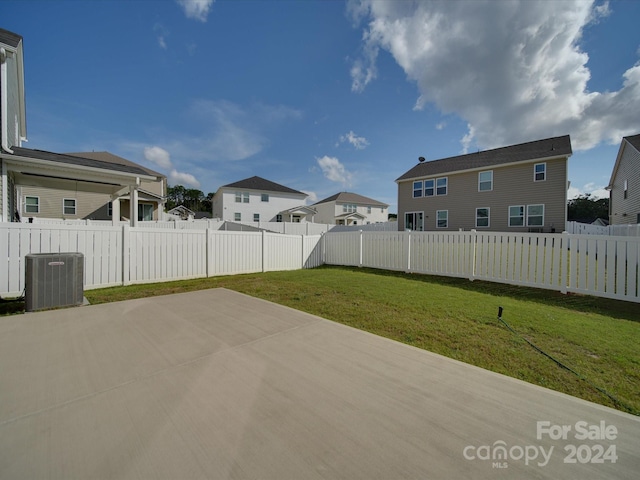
216,384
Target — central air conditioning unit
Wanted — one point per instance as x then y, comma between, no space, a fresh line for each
53,280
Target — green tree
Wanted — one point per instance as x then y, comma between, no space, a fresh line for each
586,209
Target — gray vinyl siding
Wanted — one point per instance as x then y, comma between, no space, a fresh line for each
624,211
512,185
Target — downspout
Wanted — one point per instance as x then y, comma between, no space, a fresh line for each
4,134
3,101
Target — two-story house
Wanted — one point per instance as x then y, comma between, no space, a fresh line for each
346,208
519,188
256,199
39,183
624,186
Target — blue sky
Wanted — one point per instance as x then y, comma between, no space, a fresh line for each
327,96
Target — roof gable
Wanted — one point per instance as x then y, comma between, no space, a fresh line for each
348,197
530,151
634,141
259,183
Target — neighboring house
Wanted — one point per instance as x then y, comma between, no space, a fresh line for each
624,186
520,188
258,200
38,183
346,208
181,212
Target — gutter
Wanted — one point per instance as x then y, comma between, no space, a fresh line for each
3,100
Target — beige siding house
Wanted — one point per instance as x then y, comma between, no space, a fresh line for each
36,183
520,188
69,199
346,208
624,186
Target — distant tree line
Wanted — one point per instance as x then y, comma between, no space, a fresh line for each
585,209
192,198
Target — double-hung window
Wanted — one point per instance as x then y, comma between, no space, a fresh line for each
482,217
485,181
535,215
256,217
69,206
264,197
516,216
417,189
442,218
32,205
429,188
540,172
441,186
237,217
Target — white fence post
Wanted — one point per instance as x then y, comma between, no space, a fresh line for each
263,249
360,260
474,248
126,261
564,260
408,235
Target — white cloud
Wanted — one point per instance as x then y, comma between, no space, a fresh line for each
596,191
181,178
311,198
162,33
158,156
513,70
196,9
357,142
334,170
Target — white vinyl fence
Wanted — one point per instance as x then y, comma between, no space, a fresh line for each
124,255
602,266
630,230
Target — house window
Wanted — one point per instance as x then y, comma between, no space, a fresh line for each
540,172
368,209
145,212
237,217
256,217
535,215
110,209
482,217
264,197
417,189
516,216
441,186
429,188
442,218
414,221
242,197
32,205
349,208
626,190
279,218
485,181
69,206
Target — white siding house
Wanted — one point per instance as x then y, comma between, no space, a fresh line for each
347,208
258,200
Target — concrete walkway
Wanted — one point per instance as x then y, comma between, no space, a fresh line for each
215,384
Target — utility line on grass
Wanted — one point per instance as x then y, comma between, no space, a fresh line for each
614,399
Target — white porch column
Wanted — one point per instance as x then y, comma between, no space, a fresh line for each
133,203
115,210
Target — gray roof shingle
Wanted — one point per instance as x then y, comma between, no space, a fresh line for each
79,161
115,159
259,183
634,140
539,149
9,38
348,197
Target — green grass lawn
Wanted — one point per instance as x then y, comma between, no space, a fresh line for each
596,337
